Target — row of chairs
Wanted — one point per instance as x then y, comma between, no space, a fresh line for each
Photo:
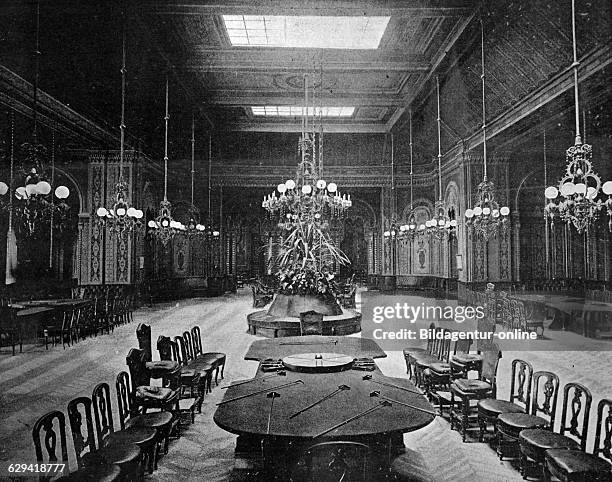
604,296
524,426
196,366
507,311
102,450
183,365
93,318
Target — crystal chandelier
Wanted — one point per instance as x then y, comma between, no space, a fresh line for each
307,197
35,205
209,229
164,227
392,224
580,186
486,217
121,218
193,228
410,230
440,225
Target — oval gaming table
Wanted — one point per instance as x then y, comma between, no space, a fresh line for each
278,414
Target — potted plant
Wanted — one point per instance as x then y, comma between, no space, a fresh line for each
305,261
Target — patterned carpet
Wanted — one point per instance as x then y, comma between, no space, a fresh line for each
37,381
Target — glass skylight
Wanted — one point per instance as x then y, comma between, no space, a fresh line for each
297,111
305,31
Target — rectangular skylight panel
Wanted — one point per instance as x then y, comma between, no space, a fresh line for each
306,31
297,111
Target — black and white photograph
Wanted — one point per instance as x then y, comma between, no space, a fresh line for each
306,240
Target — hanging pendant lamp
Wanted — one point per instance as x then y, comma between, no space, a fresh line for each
164,227
121,218
486,218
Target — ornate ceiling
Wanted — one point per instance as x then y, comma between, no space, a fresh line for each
528,51
380,83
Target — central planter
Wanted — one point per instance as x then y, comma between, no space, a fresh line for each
283,317
293,305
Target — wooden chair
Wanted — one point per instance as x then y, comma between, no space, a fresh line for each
348,298
438,376
574,465
410,353
75,325
143,334
520,396
465,391
334,461
10,328
192,367
88,454
462,362
145,396
145,438
572,434
58,328
260,297
216,359
440,353
311,323
162,422
200,373
545,392
193,378
51,428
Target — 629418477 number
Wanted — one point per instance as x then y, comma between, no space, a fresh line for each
36,468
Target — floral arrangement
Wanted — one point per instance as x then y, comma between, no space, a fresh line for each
305,261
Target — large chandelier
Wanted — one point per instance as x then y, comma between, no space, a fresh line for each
211,231
487,216
580,186
121,218
193,228
307,198
440,225
35,205
410,230
164,227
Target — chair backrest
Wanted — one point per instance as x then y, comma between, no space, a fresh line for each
430,340
180,351
544,393
137,365
490,363
82,427
124,398
334,461
51,429
103,411
462,346
311,323
143,333
197,340
164,347
75,313
520,384
580,403
188,342
443,353
603,444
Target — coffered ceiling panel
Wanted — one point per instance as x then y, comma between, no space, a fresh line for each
378,82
